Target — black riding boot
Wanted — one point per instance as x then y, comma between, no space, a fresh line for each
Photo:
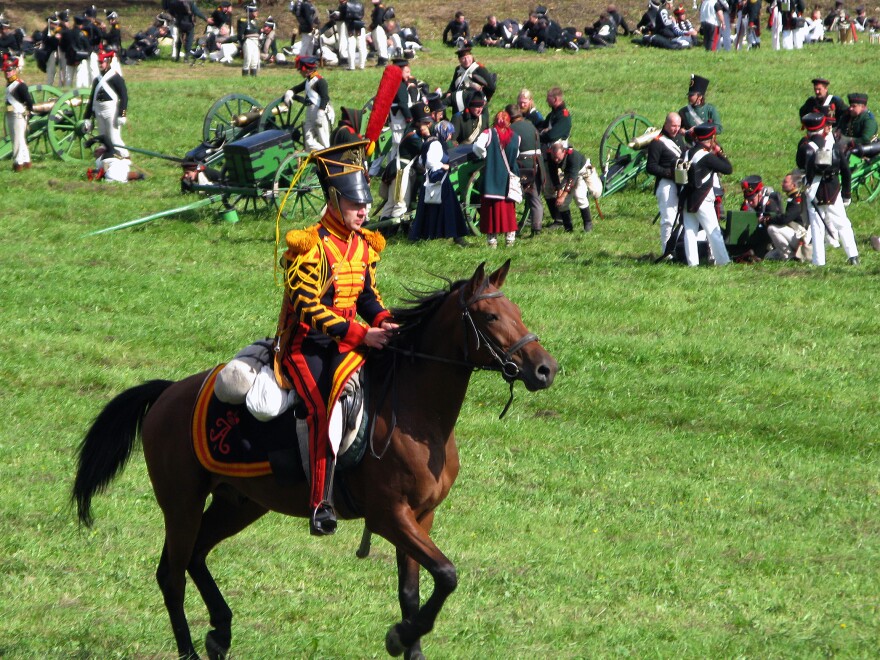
587,218
323,520
551,207
565,216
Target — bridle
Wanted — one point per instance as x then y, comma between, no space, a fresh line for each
502,359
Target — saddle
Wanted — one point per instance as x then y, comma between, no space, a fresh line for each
229,440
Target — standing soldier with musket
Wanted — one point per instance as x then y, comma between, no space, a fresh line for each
19,104
701,196
249,35
664,153
828,180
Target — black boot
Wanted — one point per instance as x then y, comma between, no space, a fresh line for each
587,218
323,520
244,73
565,216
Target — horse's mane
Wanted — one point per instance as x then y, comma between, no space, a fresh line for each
413,316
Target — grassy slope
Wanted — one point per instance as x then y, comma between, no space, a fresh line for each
701,481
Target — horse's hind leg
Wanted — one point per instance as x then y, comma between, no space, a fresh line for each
227,515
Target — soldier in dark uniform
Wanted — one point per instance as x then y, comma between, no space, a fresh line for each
75,46
664,153
113,33
492,33
858,125
380,14
788,232
10,40
19,105
829,105
249,36
437,107
457,31
54,63
697,111
469,77
568,169
767,205
349,127
701,195
829,181
108,103
398,194
472,121
307,23
556,127
530,162
400,115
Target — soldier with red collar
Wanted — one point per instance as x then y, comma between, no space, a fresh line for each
557,125
330,280
767,205
319,112
19,104
108,103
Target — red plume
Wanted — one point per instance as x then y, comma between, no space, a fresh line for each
388,87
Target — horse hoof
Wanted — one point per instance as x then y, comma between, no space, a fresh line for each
393,644
216,650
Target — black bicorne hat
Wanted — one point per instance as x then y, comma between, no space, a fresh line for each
342,169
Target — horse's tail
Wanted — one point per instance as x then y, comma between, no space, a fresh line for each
108,445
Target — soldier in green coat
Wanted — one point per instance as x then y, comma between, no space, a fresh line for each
697,111
858,126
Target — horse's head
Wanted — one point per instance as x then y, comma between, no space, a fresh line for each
496,337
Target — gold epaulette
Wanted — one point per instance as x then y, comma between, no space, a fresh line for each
374,239
300,241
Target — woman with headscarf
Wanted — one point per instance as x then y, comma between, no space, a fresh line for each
499,145
442,217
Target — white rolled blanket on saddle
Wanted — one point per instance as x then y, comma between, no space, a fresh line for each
249,378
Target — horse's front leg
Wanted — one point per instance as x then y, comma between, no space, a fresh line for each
415,548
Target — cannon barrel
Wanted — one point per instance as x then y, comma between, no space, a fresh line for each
253,115
867,150
645,139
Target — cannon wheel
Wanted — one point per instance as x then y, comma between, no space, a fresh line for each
306,199
866,180
277,116
470,205
64,126
621,164
220,120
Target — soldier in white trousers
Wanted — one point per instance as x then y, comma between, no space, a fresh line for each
108,104
19,105
664,153
829,187
319,112
249,33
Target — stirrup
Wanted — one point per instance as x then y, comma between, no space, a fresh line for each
323,520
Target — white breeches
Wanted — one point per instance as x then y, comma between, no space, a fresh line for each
835,216
306,45
792,39
398,194
357,43
250,55
53,69
105,118
786,240
667,204
175,42
380,43
317,127
705,217
16,126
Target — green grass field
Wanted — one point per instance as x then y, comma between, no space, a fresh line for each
701,481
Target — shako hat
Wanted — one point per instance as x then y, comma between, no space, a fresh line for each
477,100
751,186
104,55
698,85
821,81
400,61
466,47
341,168
814,121
10,63
861,99
435,102
110,14
251,7
705,131
352,117
270,22
306,62
421,114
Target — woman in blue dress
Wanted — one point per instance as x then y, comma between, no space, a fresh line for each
444,219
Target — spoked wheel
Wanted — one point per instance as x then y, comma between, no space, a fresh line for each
470,202
279,116
45,97
65,128
304,203
870,188
620,162
231,118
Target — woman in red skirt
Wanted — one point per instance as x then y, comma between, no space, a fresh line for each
500,147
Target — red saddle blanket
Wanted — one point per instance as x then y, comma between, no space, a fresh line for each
228,440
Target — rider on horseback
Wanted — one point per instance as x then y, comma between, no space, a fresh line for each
330,278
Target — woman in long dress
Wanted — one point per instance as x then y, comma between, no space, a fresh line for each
499,145
444,219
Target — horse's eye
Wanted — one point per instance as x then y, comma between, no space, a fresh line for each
491,318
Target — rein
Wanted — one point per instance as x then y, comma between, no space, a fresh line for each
503,360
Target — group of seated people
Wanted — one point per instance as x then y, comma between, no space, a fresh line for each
538,32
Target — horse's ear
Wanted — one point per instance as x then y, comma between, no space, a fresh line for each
497,278
479,276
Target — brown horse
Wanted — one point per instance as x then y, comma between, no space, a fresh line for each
411,464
